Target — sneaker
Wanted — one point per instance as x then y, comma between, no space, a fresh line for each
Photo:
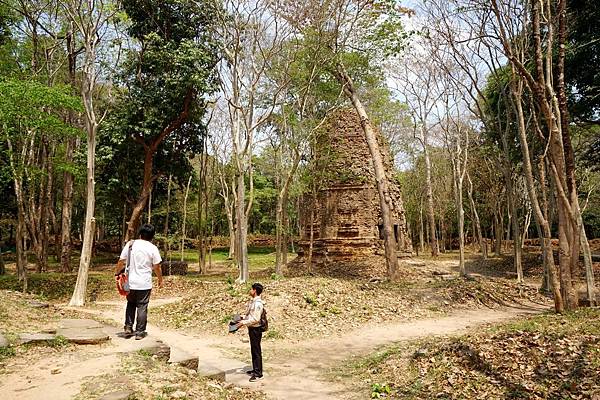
255,378
251,372
140,335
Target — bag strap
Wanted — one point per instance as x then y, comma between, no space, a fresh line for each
128,258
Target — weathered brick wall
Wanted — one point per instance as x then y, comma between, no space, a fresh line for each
347,212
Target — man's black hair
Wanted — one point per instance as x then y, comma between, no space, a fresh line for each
258,287
147,232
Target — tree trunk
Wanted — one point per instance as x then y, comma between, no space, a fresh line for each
516,232
67,211
498,231
435,249
421,231
231,229
540,214
589,267
185,197
147,182
68,178
150,150
443,246
87,91
149,220
311,239
380,177
477,224
21,251
242,230
2,266
167,217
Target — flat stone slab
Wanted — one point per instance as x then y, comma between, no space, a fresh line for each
25,338
183,358
84,336
82,331
118,395
3,341
211,372
38,304
79,324
159,349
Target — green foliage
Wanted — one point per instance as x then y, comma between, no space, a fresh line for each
583,51
379,390
58,342
310,298
7,352
164,82
29,105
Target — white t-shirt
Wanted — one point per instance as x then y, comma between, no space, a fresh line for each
144,255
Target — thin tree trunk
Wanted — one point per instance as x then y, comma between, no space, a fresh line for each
167,218
67,211
87,91
421,230
149,207
589,270
498,231
435,249
516,233
541,217
185,197
477,229
311,239
242,230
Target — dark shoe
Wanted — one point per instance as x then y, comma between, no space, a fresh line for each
140,335
128,330
251,372
255,378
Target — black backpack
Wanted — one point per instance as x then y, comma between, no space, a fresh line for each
264,322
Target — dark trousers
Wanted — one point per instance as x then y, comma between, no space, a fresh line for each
137,300
255,350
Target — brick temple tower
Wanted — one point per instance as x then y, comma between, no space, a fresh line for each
346,219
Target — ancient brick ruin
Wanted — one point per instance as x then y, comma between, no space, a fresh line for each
347,225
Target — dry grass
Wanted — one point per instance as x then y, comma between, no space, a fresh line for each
547,356
305,307
151,379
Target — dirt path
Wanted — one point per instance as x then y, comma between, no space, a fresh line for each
293,371
299,373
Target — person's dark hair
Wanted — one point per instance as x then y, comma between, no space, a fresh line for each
258,287
147,232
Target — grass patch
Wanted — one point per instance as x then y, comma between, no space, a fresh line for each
58,286
7,352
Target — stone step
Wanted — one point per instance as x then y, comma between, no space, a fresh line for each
157,348
82,331
190,361
183,358
210,371
118,395
3,341
34,338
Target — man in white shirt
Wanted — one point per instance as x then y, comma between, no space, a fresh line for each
144,259
252,321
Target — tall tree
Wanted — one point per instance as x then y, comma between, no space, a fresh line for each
253,36
30,111
167,76
91,19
